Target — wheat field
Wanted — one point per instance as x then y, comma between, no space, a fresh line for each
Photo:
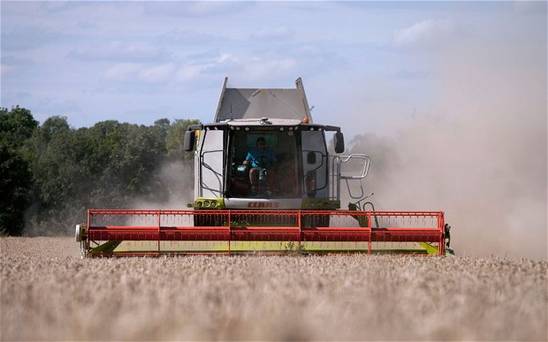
49,293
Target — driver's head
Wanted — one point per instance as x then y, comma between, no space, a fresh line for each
261,143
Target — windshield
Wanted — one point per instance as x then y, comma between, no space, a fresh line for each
263,164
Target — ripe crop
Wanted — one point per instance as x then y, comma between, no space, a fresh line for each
48,292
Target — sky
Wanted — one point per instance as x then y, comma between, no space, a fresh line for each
141,61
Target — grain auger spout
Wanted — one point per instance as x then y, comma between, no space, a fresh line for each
265,182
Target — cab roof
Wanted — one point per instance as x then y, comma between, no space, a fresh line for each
264,124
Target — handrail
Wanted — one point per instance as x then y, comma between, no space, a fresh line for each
365,169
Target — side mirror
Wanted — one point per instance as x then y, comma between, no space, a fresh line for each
311,157
339,142
188,142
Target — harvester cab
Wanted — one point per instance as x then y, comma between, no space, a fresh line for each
267,178
264,152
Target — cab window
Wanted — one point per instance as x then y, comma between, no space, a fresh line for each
273,155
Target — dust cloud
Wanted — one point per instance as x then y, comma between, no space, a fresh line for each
175,179
478,152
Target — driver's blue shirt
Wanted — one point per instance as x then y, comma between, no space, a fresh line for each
260,158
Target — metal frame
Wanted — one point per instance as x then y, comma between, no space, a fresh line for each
200,157
229,227
297,128
336,175
298,93
219,176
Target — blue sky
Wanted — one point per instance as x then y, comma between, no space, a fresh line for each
141,61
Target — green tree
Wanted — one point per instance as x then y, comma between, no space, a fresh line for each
62,170
174,139
16,127
15,185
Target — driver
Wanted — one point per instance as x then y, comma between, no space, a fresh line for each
259,159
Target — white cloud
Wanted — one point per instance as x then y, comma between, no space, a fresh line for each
159,73
195,9
221,63
261,68
208,7
122,71
423,32
118,51
273,33
527,6
141,72
5,69
226,58
189,72
190,37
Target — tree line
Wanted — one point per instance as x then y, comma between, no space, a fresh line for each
51,172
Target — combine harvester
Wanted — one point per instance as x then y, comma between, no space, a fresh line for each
266,181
